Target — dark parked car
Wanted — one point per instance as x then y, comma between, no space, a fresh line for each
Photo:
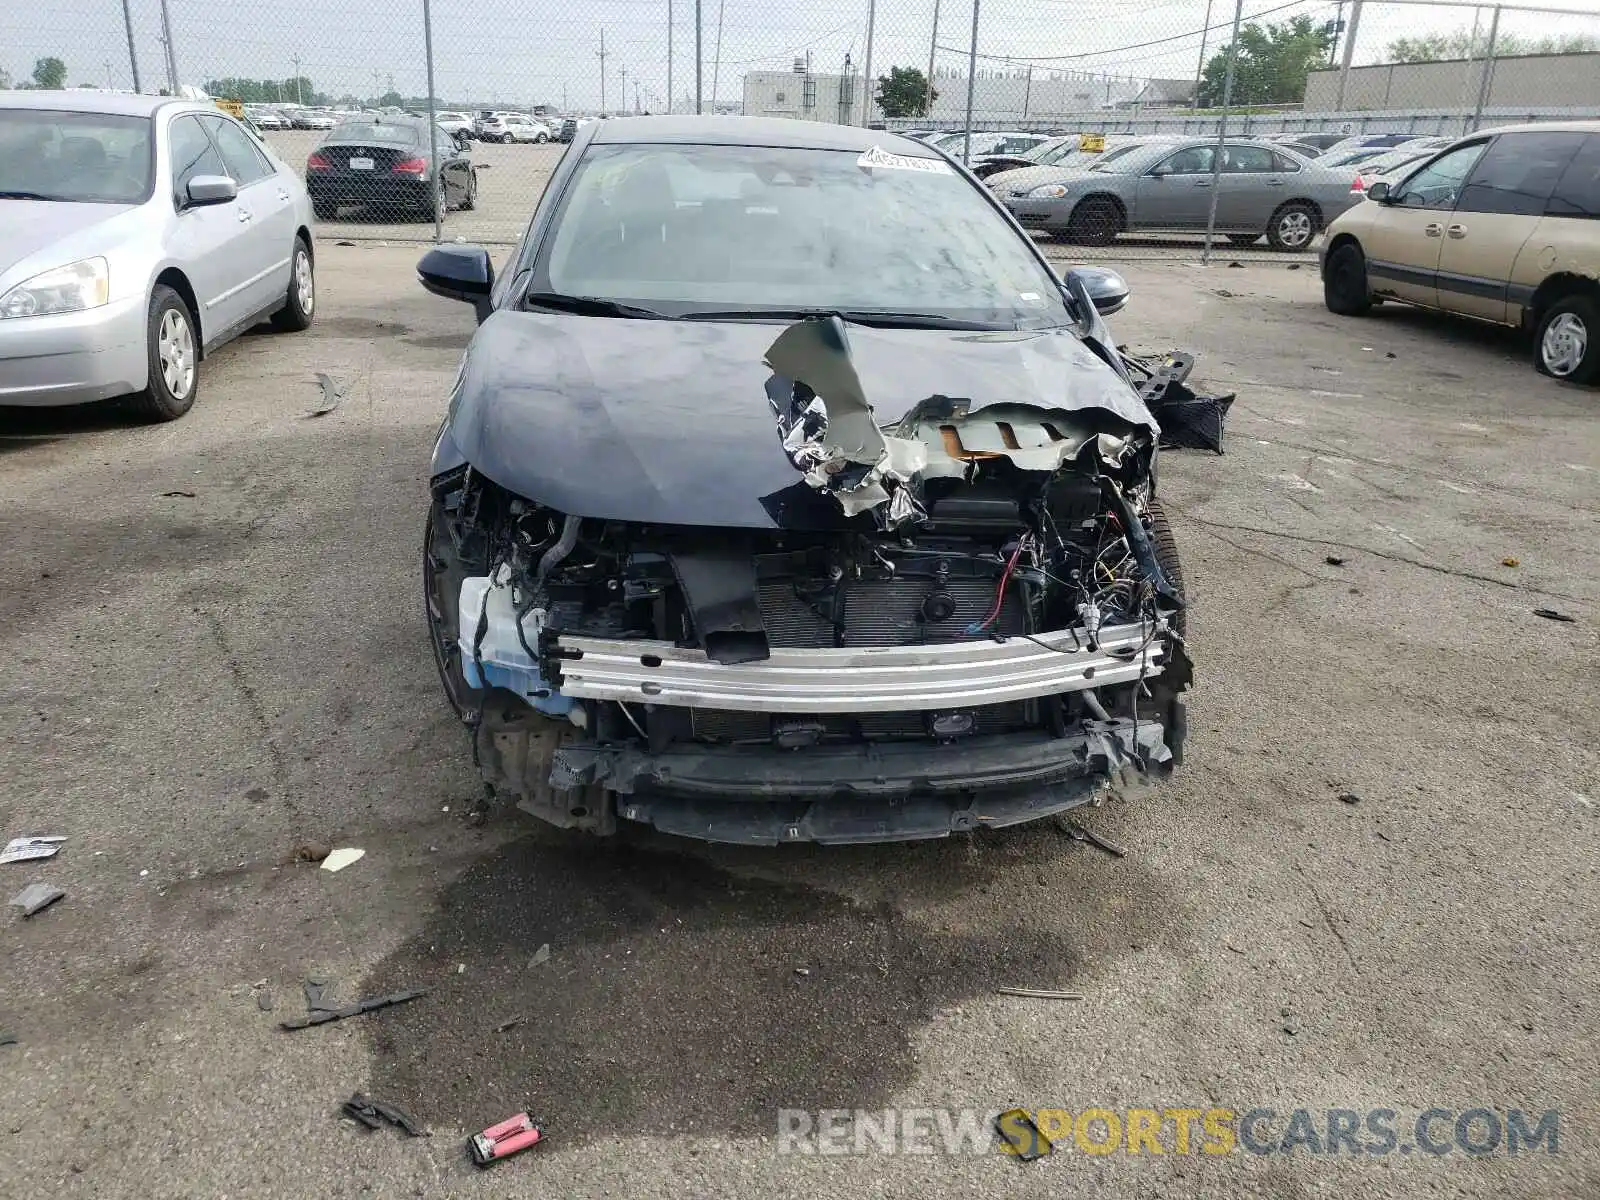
786,494
386,164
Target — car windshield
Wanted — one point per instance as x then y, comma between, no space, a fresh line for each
79,157
373,131
680,229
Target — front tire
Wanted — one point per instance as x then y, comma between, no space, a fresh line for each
1566,344
1344,282
541,139
1292,227
301,304
173,350
1094,222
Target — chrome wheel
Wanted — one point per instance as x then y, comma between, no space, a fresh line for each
175,349
305,287
1295,229
1565,342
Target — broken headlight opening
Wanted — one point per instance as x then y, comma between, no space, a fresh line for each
991,630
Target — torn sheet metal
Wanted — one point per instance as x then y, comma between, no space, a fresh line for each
831,436
27,849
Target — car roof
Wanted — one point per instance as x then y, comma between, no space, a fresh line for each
753,131
1539,127
122,104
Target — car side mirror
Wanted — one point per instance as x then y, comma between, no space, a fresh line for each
1379,192
205,190
459,273
1161,171
1108,289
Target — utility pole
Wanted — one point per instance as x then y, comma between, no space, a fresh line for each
623,90
172,55
109,85
972,80
716,58
636,106
602,72
866,64
933,48
699,61
1488,69
1027,94
1349,52
298,98
133,55
1200,67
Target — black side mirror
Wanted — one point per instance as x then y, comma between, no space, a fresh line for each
1108,289
459,273
1379,192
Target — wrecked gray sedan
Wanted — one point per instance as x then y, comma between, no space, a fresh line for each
786,495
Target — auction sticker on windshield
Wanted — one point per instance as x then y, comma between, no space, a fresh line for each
877,156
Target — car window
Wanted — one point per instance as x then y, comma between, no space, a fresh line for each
192,154
1282,162
1242,160
1577,194
1439,183
373,131
244,162
1115,160
1518,172
677,228
1195,160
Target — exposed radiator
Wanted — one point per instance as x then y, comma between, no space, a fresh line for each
884,612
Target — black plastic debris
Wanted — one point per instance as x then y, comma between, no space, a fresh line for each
36,897
1019,1135
1333,560
1550,614
1349,798
374,1114
7,1038
323,1016
317,988
1079,834
1188,419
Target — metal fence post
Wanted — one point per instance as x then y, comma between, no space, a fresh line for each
699,63
1222,130
1349,52
1488,71
433,125
133,55
669,58
972,80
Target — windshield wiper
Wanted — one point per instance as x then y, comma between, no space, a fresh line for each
591,306
14,195
857,316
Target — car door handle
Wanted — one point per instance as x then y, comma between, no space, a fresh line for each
1202,183
1457,231
283,194
1433,230
1274,183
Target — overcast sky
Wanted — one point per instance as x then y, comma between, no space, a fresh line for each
519,52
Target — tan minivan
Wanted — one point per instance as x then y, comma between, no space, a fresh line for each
1503,225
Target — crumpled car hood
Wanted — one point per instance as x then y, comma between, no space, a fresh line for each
670,422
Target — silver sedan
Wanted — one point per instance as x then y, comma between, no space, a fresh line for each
1167,185
138,234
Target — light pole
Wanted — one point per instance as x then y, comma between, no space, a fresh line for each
299,95
172,55
933,47
866,65
602,72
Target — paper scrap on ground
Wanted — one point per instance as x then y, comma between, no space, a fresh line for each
342,858
24,849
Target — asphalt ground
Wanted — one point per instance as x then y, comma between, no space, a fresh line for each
511,178
1371,886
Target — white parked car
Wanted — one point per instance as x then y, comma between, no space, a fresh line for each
455,123
512,127
265,117
137,235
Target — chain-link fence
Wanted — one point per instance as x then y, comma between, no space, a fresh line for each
1259,121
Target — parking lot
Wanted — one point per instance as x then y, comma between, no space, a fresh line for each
1372,885
511,177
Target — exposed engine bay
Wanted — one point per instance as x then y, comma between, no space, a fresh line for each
990,629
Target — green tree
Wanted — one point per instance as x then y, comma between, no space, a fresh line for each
390,99
903,92
49,73
1274,61
1437,47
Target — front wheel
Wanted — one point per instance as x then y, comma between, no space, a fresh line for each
174,358
1292,227
542,138
301,303
1566,344
1094,223
1344,282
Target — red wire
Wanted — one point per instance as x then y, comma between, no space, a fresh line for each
1000,595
